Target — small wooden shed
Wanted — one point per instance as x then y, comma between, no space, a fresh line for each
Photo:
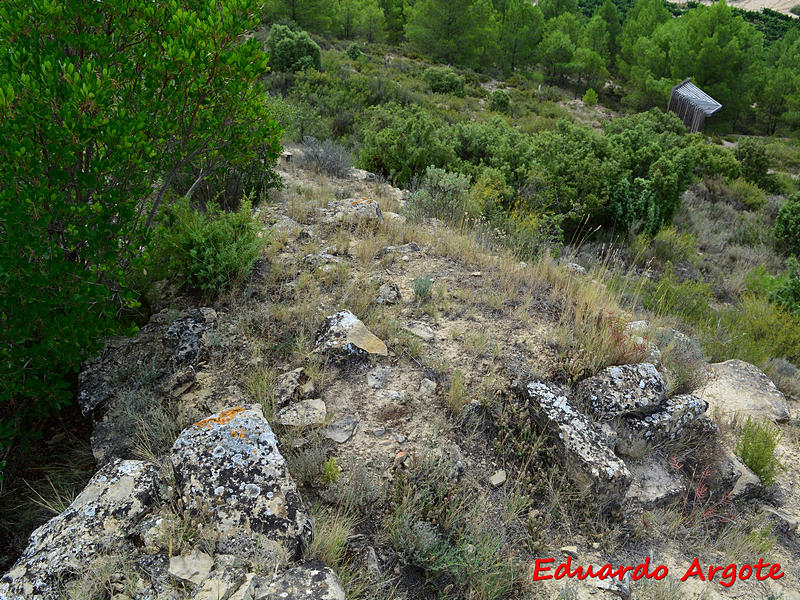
692,105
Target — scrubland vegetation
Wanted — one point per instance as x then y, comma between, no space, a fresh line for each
136,141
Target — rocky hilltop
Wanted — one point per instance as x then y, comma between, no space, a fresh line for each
382,392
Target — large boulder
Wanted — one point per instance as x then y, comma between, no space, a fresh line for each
638,435
343,334
654,483
739,390
352,211
621,390
588,460
312,580
228,468
97,522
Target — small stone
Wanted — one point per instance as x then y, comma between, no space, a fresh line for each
347,335
422,331
427,387
498,479
341,430
286,386
304,413
220,584
388,294
476,274
373,566
378,432
570,550
400,438
191,568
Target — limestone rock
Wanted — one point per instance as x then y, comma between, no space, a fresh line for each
388,293
352,211
99,520
729,476
498,479
620,390
184,336
312,580
229,467
409,248
341,430
739,390
344,334
392,217
638,435
220,584
422,331
192,568
590,463
286,386
304,413
654,483
427,387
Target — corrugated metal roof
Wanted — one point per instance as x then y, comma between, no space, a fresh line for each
686,89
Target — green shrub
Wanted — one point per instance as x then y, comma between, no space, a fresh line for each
687,299
400,142
759,281
669,245
442,80
353,51
208,251
752,155
590,97
712,160
756,447
795,10
330,472
441,195
787,227
746,194
422,289
499,101
293,50
786,292
684,361
99,108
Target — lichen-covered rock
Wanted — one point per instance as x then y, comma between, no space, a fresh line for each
286,386
621,390
588,460
97,522
409,248
637,435
312,580
352,211
192,568
344,334
654,482
185,336
228,466
739,389
220,584
388,294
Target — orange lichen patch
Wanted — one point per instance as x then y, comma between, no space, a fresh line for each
224,417
364,201
237,433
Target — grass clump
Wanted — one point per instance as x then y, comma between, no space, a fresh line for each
209,250
422,289
756,447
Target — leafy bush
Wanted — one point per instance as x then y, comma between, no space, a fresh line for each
442,195
752,155
326,157
293,50
400,142
786,292
669,245
96,107
353,51
756,447
787,227
208,251
795,10
590,97
687,299
712,160
442,80
746,194
499,101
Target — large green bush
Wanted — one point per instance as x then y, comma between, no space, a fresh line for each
786,291
499,101
400,142
441,195
100,109
752,155
787,226
209,250
293,50
442,80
